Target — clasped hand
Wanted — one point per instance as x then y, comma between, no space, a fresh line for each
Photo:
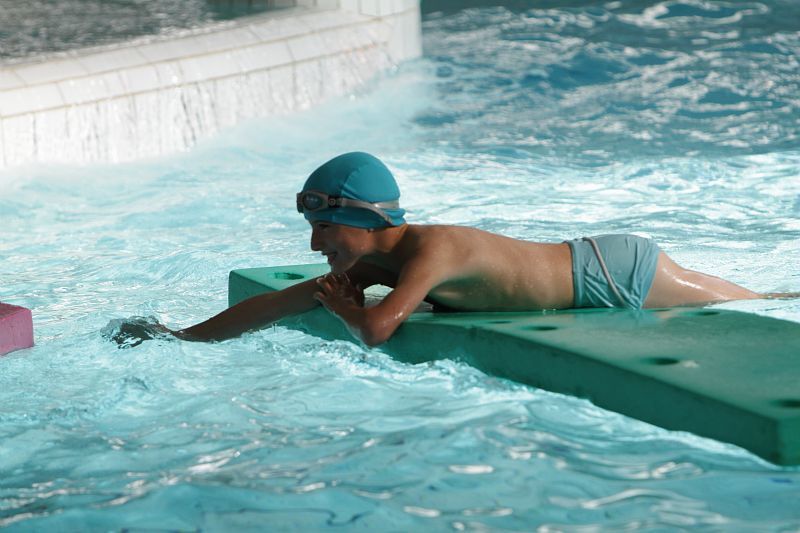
338,293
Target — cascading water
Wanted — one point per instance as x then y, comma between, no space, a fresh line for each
161,94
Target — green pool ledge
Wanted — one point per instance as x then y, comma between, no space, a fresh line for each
727,375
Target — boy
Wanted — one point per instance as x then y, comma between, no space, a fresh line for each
352,203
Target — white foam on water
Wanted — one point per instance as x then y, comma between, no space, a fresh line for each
283,429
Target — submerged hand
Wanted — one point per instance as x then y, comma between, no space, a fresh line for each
134,331
337,293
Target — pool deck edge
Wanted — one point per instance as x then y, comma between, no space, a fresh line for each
259,66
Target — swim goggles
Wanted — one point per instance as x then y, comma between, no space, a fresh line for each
317,201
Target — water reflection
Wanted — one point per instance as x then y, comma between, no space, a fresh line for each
36,27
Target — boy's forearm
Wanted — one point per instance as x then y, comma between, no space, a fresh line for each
365,323
216,328
355,319
231,322
252,313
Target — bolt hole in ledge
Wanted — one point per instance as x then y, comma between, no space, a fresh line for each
703,312
789,403
671,361
662,361
542,327
287,275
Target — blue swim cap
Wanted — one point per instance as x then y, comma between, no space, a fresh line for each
357,176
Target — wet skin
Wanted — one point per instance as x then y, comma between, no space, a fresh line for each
456,267
459,267
470,270
453,266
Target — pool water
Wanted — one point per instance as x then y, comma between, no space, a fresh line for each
48,27
674,119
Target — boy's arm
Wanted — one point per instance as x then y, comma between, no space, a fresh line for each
375,325
263,309
254,313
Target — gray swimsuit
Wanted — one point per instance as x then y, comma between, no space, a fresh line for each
613,270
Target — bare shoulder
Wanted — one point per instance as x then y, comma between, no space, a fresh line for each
435,235
458,242
366,275
424,249
437,250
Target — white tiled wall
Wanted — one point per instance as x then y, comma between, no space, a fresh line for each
151,98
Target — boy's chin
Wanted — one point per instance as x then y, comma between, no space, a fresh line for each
338,267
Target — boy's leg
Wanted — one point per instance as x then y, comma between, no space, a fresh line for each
674,285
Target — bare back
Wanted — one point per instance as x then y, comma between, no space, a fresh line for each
477,270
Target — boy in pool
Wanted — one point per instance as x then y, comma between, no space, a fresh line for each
352,204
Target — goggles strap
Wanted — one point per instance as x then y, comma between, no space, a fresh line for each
329,202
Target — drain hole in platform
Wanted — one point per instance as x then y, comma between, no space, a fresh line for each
286,275
662,361
499,322
791,403
540,328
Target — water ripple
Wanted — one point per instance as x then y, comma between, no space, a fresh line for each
675,119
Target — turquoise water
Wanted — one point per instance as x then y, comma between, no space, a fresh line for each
47,27
677,120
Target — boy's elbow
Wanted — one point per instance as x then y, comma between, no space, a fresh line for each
374,334
373,339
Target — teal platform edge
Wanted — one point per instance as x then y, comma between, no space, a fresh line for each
727,375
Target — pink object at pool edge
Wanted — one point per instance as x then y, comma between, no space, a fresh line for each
16,328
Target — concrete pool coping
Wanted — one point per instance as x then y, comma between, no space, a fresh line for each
149,97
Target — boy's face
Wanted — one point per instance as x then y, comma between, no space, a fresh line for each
342,245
